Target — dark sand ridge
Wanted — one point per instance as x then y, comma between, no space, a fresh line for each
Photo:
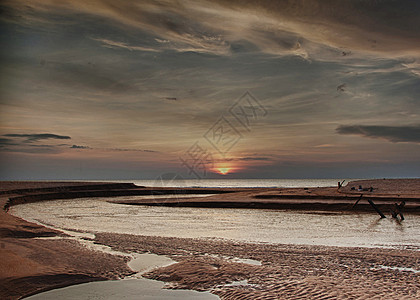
385,193
31,265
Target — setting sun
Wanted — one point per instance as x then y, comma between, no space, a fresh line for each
224,168
223,171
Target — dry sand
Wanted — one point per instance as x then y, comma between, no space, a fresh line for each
30,265
385,194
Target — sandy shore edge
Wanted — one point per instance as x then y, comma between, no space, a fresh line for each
32,265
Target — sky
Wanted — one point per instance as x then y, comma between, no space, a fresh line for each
125,89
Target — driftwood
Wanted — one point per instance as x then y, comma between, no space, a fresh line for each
376,208
357,201
340,184
397,210
373,205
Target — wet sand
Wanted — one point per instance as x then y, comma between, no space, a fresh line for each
30,265
286,271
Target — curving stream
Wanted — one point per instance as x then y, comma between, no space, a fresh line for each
269,226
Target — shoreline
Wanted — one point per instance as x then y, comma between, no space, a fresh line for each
26,270
385,193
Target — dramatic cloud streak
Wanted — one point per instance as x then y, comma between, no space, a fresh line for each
37,137
121,77
310,29
30,143
79,147
115,44
393,134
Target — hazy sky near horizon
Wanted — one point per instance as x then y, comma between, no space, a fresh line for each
120,89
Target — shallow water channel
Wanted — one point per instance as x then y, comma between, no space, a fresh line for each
252,225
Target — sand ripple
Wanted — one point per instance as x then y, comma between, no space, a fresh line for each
287,271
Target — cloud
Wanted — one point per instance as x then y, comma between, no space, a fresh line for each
112,149
29,143
325,146
382,27
34,149
205,54
29,138
188,43
310,29
395,134
79,147
132,150
85,75
115,44
4,142
255,158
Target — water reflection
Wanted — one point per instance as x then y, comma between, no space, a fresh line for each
376,223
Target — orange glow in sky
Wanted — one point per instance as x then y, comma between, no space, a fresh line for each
224,168
223,171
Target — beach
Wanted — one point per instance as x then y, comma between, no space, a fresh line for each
210,150
37,258
286,272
